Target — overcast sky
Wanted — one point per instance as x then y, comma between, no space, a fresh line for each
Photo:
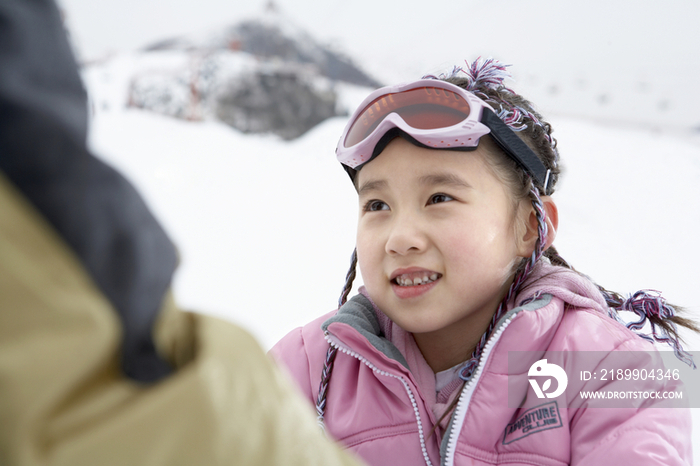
424,34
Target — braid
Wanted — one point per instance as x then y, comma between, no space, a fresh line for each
349,279
649,306
332,350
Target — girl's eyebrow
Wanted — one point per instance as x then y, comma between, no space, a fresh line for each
449,179
372,185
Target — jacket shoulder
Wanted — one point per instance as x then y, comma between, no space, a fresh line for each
301,353
591,330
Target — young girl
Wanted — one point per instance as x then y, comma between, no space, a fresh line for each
454,244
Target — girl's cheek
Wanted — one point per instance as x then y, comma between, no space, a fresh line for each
364,261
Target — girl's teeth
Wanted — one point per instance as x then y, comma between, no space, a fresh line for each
407,281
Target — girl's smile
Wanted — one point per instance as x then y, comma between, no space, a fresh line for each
414,281
437,244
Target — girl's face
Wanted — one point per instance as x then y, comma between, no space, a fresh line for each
437,239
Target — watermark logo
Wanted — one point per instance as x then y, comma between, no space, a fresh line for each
602,379
543,369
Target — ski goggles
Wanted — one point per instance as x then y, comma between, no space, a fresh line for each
433,114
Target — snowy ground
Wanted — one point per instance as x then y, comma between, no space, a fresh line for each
265,228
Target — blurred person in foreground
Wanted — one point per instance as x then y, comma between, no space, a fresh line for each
97,363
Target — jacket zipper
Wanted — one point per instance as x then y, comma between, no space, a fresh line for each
466,395
336,344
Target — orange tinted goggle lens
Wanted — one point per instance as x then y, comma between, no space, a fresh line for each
420,108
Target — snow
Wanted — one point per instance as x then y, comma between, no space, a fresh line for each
265,228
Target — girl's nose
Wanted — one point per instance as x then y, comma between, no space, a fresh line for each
406,236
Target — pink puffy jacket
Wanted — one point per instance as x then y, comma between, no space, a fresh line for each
376,409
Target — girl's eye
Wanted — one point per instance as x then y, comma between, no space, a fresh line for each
438,198
374,206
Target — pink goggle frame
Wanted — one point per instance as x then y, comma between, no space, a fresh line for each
434,114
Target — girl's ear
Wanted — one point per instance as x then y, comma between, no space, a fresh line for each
529,238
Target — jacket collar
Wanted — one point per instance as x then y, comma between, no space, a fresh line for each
361,314
545,281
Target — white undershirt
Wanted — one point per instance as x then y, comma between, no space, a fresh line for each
443,378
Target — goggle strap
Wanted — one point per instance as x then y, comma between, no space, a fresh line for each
516,148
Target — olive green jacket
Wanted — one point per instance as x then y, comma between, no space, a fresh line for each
64,399
98,366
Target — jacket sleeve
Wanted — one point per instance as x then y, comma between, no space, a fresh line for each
653,436
97,363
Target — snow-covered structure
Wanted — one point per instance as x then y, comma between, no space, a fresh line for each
261,75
